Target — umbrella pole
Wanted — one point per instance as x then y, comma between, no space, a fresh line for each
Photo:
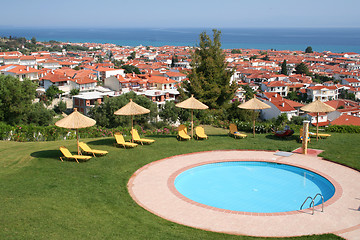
254,123
317,126
132,126
192,124
77,140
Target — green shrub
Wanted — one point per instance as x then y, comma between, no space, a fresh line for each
344,128
31,133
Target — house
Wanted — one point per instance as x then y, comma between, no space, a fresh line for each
279,87
20,72
323,93
104,72
50,64
160,96
279,105
29,61
351,82
68,79
323,120
161,83
177,76
60,80
116,83
356,92
85,101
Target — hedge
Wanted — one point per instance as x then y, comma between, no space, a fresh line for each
31,133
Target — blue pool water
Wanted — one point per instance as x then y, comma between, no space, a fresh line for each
250,186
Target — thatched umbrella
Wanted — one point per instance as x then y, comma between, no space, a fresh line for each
317,107
131,109
254,104
192,103
75,121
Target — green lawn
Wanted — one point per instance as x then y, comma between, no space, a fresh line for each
44,198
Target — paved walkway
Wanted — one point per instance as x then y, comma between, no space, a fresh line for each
152,187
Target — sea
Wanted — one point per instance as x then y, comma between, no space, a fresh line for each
337,40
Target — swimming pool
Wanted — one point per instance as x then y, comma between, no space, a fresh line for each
251,186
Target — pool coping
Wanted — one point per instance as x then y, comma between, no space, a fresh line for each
142,194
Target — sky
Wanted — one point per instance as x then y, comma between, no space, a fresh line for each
180,14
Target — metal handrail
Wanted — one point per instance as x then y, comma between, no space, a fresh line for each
313,203
305,201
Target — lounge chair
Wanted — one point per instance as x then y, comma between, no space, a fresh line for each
67,154
120,141
320,135
200,133
301,135
182,133
234,132
136,138
86,149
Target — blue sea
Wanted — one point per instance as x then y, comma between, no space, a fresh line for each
320,39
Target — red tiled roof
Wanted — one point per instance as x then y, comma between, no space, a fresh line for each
161,80
346,120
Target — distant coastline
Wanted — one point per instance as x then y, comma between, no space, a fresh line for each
320,39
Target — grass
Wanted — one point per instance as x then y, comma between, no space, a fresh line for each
44,198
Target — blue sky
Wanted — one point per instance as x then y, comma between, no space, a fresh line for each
184,13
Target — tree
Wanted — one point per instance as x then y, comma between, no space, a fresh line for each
266,58
131,69
15,98
16,103
174,59
235,113
74,92
346,95
169,113
61,107
209,78
104,113
301,68
284,68
236,51
132,56
39,115
33,40
308,50
249,92
52,92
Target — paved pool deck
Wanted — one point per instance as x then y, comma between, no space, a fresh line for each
152,187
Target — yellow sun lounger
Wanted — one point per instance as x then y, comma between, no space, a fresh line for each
121,141
182,133
200,133
136,137
321,135
67,154
234,131
86,149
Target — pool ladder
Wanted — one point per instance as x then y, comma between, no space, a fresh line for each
313,202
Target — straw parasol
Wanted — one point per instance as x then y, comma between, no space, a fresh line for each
317,107
192,103
254,104
131,109
75,121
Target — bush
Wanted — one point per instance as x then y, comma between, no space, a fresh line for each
344,128
32,133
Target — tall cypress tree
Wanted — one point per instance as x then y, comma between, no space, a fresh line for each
209,79
284,68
